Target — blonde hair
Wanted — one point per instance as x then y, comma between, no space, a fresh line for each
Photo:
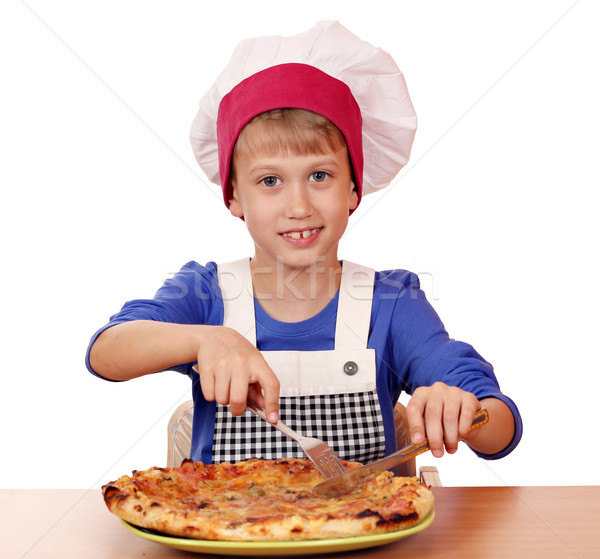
289,132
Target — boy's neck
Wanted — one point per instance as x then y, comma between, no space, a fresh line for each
295,294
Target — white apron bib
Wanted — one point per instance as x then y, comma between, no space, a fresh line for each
331,395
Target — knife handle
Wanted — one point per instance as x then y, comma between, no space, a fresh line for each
480,418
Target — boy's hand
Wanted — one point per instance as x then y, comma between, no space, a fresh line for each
441,413
231,368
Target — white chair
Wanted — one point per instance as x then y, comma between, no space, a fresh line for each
180,440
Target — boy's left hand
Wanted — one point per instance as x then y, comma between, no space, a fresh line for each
441,413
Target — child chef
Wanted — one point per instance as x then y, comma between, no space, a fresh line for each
295,131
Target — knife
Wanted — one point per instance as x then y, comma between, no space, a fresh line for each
338,485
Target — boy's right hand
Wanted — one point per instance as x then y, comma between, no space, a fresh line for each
231,369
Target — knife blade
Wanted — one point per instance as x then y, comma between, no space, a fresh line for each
339,485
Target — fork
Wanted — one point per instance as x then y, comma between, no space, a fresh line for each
320,453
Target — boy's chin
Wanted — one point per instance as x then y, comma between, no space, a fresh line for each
317,263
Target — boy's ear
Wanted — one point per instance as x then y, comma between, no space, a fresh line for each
353,201
235,208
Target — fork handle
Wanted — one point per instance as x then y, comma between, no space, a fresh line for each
257,410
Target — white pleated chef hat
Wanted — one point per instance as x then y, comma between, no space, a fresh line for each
327,70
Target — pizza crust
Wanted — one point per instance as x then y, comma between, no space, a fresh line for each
263,500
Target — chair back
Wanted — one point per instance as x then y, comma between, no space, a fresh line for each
179,441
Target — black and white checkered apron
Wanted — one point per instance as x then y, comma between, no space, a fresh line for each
330,395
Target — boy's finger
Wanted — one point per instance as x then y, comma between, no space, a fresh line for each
270,388
222,381
271,406
207,383
238,394
452,413
434,429
414,416
255,393
451,429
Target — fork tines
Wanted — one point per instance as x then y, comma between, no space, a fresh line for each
326,461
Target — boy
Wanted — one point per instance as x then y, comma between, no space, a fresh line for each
294,151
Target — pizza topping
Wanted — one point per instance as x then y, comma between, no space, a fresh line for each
256,491
262,500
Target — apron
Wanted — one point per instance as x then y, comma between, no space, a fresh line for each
330,395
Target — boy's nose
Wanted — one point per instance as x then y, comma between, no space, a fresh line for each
298,203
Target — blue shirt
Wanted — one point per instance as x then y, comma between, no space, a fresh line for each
412,346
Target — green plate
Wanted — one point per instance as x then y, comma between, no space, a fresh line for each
264,549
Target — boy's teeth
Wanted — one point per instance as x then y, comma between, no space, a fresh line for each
301,234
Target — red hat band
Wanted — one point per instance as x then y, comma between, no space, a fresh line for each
298,86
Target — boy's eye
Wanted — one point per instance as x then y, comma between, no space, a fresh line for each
319,176
271,181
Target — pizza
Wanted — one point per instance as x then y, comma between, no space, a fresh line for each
263,500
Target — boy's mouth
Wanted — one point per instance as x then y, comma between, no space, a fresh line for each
305,234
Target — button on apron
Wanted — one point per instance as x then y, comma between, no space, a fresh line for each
350,368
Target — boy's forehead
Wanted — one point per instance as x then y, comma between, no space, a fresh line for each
255,159
290,131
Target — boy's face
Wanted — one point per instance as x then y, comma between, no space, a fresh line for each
296,207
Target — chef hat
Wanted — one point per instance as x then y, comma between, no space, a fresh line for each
327,70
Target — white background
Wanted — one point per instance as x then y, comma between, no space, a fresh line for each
102,200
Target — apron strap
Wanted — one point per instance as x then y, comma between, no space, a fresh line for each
235,281
354,304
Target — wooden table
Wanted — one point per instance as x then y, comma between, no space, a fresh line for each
470,522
